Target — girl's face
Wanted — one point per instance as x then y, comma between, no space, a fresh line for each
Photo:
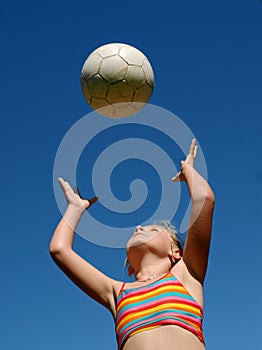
152,235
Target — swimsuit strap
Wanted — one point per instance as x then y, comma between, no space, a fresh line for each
122,287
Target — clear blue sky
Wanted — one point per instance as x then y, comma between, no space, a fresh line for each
207,59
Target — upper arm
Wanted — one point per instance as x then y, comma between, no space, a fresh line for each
92,281
196,250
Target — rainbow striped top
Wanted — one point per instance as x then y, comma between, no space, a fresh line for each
163,302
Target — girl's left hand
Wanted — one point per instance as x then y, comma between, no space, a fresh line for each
188,162
74,198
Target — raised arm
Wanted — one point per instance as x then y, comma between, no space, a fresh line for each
196,250
93,282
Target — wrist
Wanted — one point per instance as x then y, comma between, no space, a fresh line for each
189,173
72,216
75,210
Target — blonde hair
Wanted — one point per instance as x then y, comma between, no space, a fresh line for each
168,226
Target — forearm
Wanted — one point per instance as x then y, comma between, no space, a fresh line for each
63,236
198,187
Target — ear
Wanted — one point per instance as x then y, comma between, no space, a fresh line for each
175,255
130,270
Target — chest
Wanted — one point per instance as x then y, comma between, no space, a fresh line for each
165,296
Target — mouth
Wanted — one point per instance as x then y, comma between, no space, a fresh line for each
137,233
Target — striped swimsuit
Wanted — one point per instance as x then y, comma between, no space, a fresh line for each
163,302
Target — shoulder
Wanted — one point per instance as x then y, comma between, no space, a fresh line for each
192,285
117,286
116,289
120,285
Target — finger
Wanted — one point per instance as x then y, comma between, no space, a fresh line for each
60,180
76,191
65,185
176,178
195,152
192,147
92,200
188,158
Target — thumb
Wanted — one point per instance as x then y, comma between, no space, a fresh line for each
176,178
92,200
76,191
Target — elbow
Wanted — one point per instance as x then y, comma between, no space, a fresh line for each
53,251
57,255
209,201
207,198
56,251
210,197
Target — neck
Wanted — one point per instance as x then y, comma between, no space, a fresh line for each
148,271
148,278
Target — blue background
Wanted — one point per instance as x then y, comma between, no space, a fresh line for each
207,59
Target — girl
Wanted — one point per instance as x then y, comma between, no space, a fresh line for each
163,308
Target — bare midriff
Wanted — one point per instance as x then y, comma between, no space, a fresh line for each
164,338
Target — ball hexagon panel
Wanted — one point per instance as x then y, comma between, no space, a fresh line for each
85,89
135,76
119,93
143,93
97,86
113,69
108,50
99,102
131,55
149,74
91,66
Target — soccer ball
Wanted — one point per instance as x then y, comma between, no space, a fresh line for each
117,80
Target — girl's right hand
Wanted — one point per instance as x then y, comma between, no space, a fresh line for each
187,163
73,196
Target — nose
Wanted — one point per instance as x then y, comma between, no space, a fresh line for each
138,228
